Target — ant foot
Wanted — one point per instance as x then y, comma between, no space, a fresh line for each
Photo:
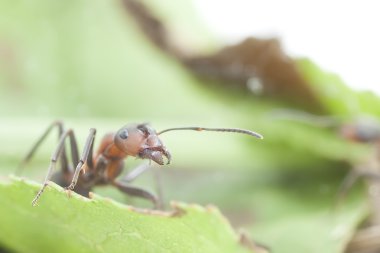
68,192
35,202
71,186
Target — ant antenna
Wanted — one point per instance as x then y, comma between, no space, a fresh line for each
232,130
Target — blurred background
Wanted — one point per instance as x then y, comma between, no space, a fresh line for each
263,66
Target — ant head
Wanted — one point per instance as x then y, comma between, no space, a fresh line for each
141,141
364,131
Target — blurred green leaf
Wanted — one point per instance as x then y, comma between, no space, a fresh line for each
89,58
336,95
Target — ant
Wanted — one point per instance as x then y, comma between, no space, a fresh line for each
105,165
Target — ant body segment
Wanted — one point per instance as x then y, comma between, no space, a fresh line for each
107,163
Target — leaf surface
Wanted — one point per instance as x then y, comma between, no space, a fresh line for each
77,224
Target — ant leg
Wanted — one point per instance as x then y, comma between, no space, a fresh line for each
89,160
158,182
370,175
85,155
136,172
30,154
140,170
136,192
351,179
54,158
346,185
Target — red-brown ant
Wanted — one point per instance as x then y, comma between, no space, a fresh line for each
102,168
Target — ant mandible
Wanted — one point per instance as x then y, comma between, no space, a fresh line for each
103,167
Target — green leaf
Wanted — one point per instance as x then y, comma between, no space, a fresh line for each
337,97
77,224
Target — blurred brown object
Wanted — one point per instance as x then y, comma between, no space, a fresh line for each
149,24
261,67
257,66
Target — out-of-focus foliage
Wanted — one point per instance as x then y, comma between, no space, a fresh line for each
74,60
339,98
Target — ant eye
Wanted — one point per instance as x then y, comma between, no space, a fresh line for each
124,134
144,129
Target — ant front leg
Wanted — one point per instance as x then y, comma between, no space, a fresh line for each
86,156
58,151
